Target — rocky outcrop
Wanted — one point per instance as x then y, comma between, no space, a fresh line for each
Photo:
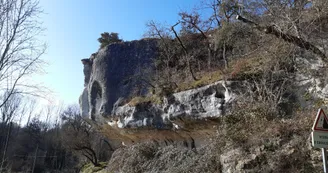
111,73
187,119
210,101
111,76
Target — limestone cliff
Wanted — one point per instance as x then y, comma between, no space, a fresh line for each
111,78
109,75
249,140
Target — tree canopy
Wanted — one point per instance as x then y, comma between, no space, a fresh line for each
108,38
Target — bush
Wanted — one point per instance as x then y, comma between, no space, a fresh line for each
107,39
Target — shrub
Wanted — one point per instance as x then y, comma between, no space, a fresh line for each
107,39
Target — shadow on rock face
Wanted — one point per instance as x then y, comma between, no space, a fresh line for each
95,99
111,73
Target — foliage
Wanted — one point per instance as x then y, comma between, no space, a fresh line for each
42,147
108,38
37,143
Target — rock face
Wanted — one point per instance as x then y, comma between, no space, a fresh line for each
209,101
115,73
111,73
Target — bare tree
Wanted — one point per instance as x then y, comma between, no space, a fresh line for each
213,6
188,57
20,50
193,21
31,106
302,43
78,134
10,110
167,48
301,23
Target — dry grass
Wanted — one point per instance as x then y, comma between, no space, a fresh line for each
154,99
250,126
89,168
242,68
284,143
152,158
239,69
204,78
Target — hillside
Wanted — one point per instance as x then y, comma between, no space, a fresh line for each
231,87
238,98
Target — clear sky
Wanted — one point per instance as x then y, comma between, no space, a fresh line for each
73,26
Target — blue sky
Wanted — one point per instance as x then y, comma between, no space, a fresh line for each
73,26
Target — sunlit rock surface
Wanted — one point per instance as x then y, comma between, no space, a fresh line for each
210,101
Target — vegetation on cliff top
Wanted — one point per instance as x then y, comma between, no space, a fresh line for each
108,38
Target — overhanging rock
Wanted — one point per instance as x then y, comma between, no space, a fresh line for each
210,101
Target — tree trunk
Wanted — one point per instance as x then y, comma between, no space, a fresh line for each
35,156
89,153
6,146
191,70
286,37
198,64
209,57
224,56
185,51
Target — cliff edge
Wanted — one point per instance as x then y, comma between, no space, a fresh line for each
109,75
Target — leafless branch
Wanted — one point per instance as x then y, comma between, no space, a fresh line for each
286,37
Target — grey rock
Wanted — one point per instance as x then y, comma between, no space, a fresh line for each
84,103
87,65
110,74
111,78
213,100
